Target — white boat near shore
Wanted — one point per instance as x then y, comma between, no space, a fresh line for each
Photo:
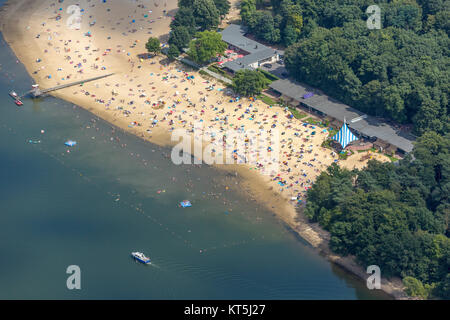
14,95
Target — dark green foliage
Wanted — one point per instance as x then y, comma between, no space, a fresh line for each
179,37
399,72
283,25
184,18
249,82
290,36
405,15
268,75
263,27
173,52
199,15
153,45
223,6
393,216
248,9
443,288
185,3
391,72
206,14
206,46
336,15
415,287
442,19
191,17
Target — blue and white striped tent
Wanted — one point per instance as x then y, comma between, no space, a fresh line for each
344,136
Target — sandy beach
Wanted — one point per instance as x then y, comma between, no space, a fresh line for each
151,98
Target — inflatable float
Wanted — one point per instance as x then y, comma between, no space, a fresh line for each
185,204
70,143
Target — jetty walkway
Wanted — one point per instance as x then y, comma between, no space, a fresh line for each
37,92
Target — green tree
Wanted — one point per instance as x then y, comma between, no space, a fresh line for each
179,37
443,20
153,45
206,46
185,3
248,11
336,14
264,27
290,35
173,52
384,73
223,6
394,216
414,287
184,18
443,289
260,3
395,72
206,14
249,82
403,14
429,148
432,6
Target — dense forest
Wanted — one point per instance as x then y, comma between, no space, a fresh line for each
393,215
194,16
400,71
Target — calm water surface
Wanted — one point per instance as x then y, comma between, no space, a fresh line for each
94,205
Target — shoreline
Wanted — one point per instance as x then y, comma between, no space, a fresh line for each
254,184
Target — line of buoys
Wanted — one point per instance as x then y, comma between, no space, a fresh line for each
117,199
139,209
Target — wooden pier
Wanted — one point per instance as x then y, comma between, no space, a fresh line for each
36,92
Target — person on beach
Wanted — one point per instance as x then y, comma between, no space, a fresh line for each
154,98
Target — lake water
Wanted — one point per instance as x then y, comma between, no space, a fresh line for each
94,205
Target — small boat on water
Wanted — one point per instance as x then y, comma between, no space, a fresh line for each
16,98
14,95
139,256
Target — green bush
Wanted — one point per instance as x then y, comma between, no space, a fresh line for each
268,75
414,288
296,113
267,99
394,216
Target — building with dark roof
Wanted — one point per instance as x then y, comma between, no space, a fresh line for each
366,126
255,53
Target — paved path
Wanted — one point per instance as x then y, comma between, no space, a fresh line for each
39,92
205,69
217,76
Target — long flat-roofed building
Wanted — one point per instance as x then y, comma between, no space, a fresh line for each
297,94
